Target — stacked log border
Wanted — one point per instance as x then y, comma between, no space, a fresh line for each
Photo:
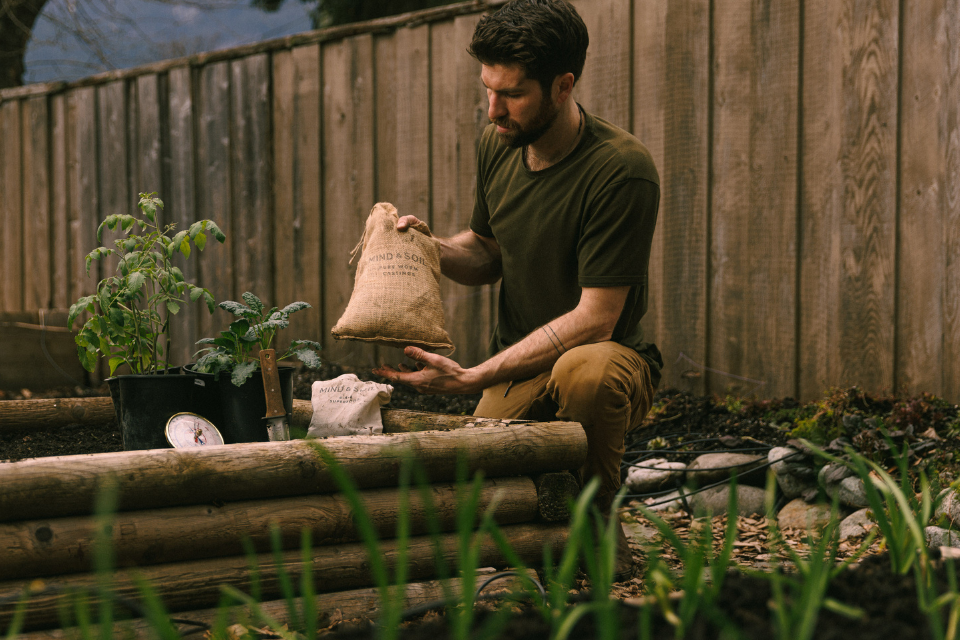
182,514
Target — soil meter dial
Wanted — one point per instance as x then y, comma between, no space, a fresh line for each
191,430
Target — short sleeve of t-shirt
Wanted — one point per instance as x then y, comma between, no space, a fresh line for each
614,245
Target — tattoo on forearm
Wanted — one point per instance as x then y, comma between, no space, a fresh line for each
554,338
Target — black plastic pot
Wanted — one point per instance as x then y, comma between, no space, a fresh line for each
238,412
144,404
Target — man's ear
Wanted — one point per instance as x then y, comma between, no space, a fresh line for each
563,87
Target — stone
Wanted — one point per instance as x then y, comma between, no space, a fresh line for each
851,493
949,507
780,457
794,487
830,477
940,537
797,514
717,467
856,524
666,502
653,475
714,501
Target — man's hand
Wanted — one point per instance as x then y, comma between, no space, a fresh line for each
410,222
434,374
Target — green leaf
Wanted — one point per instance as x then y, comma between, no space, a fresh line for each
308,357
178,239
177,274
294,306
200,240
114,363
126,222
237,309
205,341
239,327
215,230
116,316
253,301
129,244
88,358
242,372
208,297
173,307
195,293
135,281
185,247
78,307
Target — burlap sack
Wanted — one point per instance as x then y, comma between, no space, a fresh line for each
396,294
347,406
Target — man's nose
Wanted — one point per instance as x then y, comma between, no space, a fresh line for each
496,108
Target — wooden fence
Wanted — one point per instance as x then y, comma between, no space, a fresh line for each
809,152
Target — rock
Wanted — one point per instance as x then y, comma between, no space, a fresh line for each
940,537
794,487
856,524
830,477
750,500
717,467
666,502
852,494
644,479
949,507
794,472
797,514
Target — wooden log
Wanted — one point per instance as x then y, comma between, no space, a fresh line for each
38,415
555,492
68,485
331,608
39,548
53,413
185,586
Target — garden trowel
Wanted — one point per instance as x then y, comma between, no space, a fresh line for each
276,418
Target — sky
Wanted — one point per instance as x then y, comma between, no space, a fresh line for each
73,39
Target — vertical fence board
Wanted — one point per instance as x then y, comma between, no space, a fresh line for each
348,160
307,194
214,191
149,170
253,233
179,207
37,231
684,216
458,107
385,60
11,209
649,122
85,198
284,285
929,128
605,86
112,134
951,195
753,239
59,203
849,195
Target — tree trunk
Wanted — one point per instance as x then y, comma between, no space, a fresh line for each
16,24
140,538
185,586
68,485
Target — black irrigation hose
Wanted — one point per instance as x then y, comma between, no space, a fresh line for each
435,605
684,495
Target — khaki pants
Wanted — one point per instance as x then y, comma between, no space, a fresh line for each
604,386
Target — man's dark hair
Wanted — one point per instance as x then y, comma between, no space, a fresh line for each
547,38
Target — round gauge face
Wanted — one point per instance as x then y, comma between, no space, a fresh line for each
191,430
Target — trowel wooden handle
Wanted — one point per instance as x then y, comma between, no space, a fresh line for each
271,384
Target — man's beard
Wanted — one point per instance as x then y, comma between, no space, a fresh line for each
518,136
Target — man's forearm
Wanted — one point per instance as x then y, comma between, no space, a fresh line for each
538,352
469,259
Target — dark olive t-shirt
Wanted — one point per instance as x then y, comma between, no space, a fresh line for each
586,221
